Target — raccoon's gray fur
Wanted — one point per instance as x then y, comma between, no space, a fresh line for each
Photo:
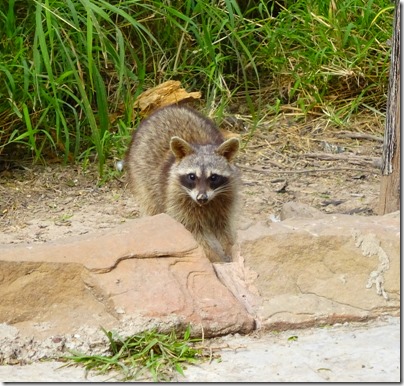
179,163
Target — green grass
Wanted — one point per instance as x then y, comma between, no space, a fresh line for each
142,355
70,70
331,57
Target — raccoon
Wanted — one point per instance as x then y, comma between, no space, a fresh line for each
179,163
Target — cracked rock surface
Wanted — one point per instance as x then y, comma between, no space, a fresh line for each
325,269
308,270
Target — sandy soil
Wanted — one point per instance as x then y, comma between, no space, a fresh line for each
282,162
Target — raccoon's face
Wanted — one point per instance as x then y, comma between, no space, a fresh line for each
206,171
203,185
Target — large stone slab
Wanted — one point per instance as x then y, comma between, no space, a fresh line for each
309,269
145,270
322,269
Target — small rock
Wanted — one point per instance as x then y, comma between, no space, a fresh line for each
293,209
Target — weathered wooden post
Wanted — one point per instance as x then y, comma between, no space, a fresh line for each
390,182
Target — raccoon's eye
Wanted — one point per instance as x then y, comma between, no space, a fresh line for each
216,180
214,177
192,176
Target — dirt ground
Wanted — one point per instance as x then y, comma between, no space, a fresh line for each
332,169
348,352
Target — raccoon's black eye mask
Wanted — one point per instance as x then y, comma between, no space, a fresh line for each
213,177
214,181
188,180
217,180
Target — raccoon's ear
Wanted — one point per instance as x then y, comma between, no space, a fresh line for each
180,148
228,149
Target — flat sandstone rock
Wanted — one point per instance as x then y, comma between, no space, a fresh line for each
295,273
323,269
146,270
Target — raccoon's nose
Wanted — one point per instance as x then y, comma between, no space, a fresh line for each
202,198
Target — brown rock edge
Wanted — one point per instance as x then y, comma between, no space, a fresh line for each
147,269
298,272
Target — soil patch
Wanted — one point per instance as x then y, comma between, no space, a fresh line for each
330,169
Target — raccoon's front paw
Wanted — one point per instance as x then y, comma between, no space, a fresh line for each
219,257
214,250
227,259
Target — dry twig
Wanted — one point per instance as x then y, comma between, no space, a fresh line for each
354,159
300,171
360,136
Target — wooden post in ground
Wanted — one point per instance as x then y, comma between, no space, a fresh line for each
390,181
